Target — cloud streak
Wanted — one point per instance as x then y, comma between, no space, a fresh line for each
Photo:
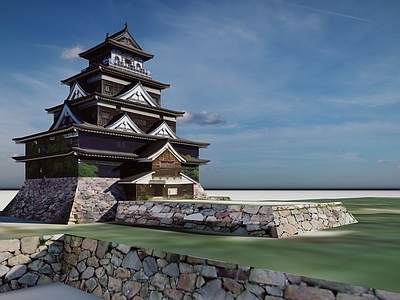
202,118
71,53
327,12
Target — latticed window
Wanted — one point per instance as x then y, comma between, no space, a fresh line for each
167,165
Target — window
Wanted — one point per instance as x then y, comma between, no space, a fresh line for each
167,165
121,145
105,117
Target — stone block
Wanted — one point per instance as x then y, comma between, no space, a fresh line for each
171,270
150,266
88,273
4,256
19,259
15,272
114,284
9,245
132,261
267,277
130,289
187,282
29,244
3,270
300,292
89,244
30,279
386,295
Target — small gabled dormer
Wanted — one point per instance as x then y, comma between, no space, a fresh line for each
125,123
164,130
76,91
140,95
66,117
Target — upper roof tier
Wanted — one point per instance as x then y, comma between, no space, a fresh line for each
122,40
119,52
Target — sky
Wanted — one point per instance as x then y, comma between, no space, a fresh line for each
289,94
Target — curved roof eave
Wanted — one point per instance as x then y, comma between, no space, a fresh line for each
98,96
86,127
110,42
111,70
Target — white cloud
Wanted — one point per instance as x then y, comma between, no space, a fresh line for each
381,161
71,53
203,118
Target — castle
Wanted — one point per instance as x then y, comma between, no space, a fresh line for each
110,140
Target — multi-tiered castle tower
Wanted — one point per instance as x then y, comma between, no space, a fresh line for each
110,138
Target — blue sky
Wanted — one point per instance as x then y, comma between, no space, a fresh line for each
290,94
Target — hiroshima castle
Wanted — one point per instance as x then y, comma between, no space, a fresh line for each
110,133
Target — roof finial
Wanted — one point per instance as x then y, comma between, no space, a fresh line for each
126,25
107,35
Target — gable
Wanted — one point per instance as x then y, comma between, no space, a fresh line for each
125,123
66,116
171,149
76,92
154,150
164,130
138,94
125,38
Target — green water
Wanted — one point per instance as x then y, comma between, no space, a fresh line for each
366,253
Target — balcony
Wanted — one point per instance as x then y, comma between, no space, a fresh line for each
122,66
126,67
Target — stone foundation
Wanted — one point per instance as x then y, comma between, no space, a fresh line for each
96,200
117,271
296,219
30,261
46,200
67,200
238,219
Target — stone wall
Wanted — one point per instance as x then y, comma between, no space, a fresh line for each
252,220
67,200
30,261
96,200
45,199
117,271
296,219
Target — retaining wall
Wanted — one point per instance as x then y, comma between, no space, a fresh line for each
67,200
238,219
30,261
45,199
117,271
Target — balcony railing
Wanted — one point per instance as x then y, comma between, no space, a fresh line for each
122,66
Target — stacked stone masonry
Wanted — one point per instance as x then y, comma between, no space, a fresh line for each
251,220
96,200
47,200
30,261
67,200
117,271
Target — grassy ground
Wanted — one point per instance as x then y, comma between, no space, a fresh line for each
366,253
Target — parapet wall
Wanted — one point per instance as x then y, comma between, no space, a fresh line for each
117,271
238,219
